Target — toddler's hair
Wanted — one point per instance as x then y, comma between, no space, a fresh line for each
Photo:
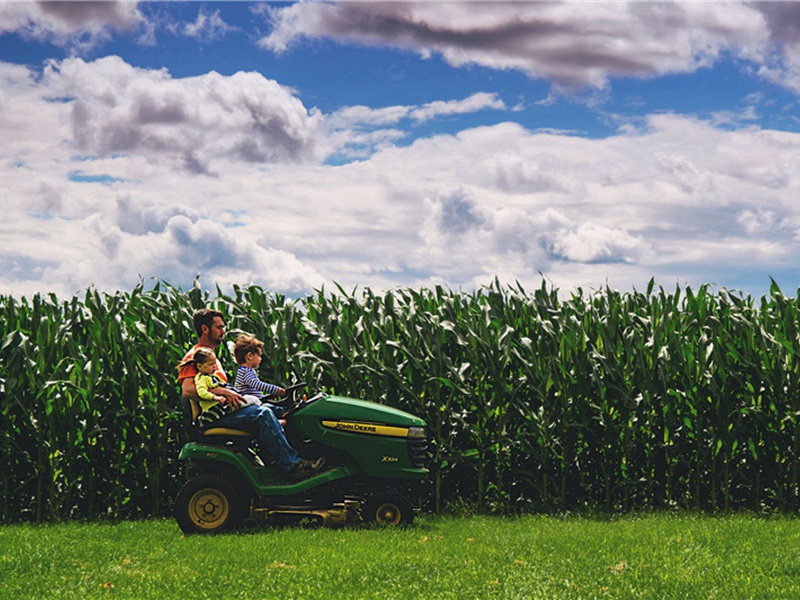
200,356
244,344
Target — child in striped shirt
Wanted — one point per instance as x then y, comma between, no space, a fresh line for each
247,351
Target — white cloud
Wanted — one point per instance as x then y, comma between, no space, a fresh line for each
195,122
117,108
77,25
757,221
360,116
207,27
357,131
783,66
474,103
592,243
573,44
678,198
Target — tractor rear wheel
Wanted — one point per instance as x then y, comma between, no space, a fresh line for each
209,504
388,508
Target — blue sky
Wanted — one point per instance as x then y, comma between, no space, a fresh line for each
407,143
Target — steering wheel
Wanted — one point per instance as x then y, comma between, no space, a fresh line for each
289,396
293,403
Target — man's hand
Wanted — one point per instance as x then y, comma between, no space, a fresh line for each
229,397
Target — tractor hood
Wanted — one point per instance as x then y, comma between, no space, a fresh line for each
383,441
345,410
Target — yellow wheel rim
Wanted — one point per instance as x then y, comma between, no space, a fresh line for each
388,513
208,508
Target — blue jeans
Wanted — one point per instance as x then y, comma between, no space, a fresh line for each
278,410
262,422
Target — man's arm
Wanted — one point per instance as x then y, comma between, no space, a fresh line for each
188,388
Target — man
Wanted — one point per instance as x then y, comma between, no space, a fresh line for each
258,420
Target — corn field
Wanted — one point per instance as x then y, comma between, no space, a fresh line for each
534,401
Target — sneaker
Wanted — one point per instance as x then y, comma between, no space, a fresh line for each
306,468
318,464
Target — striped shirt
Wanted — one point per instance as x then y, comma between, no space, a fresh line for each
248,383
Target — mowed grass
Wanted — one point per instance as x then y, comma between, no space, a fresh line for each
645,556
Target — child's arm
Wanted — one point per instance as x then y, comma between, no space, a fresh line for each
247,378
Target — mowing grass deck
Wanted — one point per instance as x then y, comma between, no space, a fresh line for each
646,556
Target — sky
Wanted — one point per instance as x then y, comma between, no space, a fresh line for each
297,146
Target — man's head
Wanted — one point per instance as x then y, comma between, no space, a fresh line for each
209,326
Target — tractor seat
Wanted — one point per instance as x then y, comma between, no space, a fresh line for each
212,435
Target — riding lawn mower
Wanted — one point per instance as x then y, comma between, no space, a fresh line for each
375,465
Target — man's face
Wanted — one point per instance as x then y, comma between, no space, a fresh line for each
217,331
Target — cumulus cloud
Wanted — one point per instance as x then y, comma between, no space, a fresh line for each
140,216
592,243
571,45
114,108
78,25
783,66
678,197
512,172
117,108
104,251
453,214
670,199
83,25
759,221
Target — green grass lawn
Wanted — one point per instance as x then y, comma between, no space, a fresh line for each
653,557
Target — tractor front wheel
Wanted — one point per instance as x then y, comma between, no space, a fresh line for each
388,508
209,504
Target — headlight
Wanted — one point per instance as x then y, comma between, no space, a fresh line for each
417,433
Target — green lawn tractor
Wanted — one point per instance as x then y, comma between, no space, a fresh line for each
376,464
